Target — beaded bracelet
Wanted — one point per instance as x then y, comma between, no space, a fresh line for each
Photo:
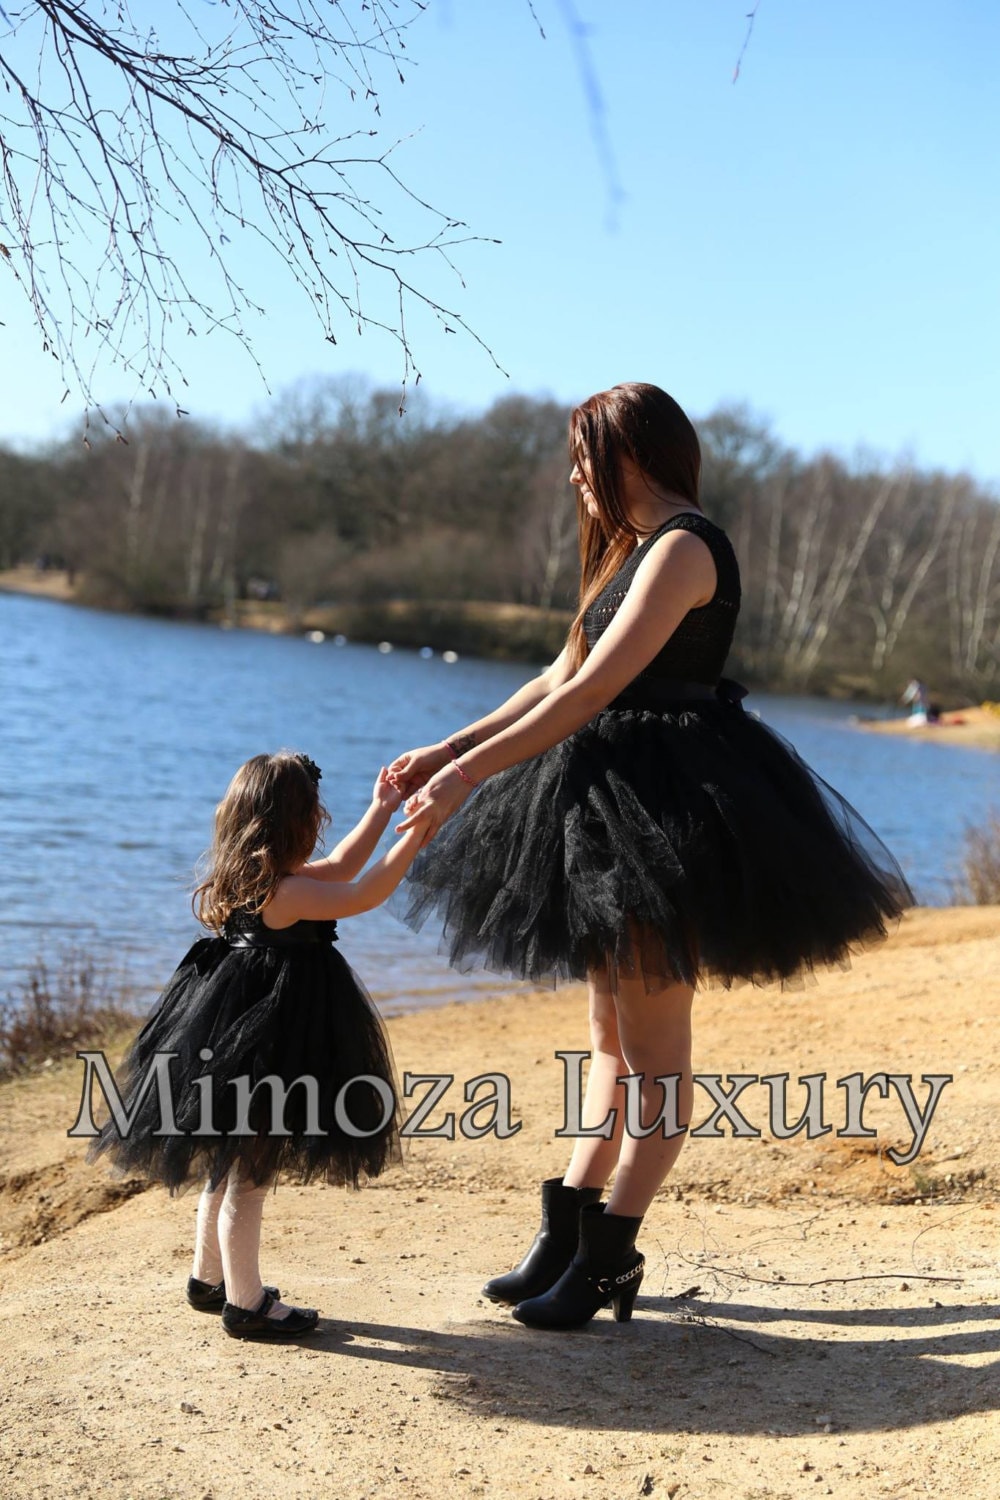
464,774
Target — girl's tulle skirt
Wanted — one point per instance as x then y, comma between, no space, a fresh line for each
296,1014
687,842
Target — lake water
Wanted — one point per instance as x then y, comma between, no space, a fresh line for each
120,734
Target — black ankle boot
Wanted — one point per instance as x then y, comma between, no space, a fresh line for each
553,1247
606,1268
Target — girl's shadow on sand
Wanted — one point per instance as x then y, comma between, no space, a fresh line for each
710,1366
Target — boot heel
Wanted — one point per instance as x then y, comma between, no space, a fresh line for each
624,1303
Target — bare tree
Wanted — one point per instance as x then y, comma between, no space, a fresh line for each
816,540
550,538
906,547
124,143
974,593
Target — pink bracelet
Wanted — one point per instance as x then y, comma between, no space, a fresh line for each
454,758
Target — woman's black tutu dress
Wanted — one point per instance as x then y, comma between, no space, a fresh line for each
249,1004
674,831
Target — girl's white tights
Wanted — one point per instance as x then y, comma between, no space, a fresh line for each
227,1242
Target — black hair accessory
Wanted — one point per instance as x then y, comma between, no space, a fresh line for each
311,769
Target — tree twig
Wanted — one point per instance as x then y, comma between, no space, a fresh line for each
751,18
135,172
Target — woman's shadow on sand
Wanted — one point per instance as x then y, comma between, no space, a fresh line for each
711,1366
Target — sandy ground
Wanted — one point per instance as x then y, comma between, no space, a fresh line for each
50,583
975,728
814,1319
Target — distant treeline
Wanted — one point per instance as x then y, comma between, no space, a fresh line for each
857,576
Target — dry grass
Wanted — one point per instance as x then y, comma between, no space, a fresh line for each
980,882
61,1006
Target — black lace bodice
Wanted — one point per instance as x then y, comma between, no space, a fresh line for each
697,650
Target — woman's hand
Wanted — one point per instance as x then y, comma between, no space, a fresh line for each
435,802
414,768
385,795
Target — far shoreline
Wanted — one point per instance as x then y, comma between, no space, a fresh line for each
486,630
483,630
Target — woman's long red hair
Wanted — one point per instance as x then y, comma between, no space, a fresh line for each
635,421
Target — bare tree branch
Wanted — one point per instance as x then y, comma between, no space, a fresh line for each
751,19
596,108
136,173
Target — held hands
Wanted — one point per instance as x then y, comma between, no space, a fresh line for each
385,794
414,768
435,802
387,798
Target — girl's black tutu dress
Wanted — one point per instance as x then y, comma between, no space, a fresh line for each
249,1004
674,831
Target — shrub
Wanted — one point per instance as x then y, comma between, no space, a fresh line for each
59,1007
980,882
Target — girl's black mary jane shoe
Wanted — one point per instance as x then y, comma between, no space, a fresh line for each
240,1324
204,1297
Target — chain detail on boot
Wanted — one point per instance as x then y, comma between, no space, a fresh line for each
553,1247
607,1268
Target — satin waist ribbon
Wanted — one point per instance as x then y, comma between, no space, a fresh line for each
283,937
654,693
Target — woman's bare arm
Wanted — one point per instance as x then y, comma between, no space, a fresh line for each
519,703
412,769
677,576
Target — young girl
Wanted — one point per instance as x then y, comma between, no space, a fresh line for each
267,1001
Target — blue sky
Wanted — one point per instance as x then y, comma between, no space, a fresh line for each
820,240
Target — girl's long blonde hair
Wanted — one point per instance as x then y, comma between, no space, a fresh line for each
266,825
643,423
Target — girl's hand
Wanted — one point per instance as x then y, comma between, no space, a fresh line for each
435,802
384,794
414,768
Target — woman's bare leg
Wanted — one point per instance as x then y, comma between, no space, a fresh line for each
594,1158
654,1029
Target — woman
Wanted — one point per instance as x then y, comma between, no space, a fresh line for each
634,827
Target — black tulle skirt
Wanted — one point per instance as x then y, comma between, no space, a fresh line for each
689,842
246,1013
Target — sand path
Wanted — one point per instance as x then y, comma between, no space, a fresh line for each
814,1320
